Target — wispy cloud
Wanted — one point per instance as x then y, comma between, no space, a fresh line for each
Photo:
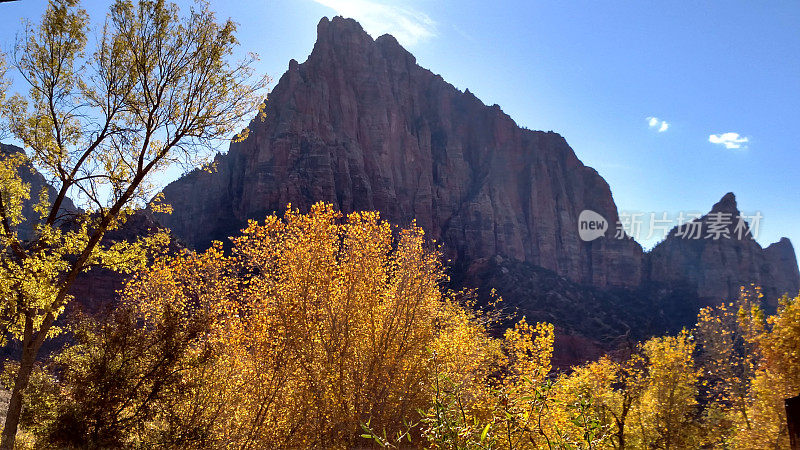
729,140
658,124
409,26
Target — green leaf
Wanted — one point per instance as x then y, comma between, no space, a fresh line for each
485,431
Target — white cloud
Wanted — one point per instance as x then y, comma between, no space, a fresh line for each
729,140
655,122
407,25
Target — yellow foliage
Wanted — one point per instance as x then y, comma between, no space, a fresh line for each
320,330
777,374
154,92
664,416
323,323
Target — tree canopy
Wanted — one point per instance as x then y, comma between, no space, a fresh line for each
155,89
332,331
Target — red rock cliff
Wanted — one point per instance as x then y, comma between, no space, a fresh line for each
361,125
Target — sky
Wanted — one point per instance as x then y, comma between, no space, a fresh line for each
674,103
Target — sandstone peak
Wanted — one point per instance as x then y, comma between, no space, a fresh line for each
388,40
716,255
361,125
784,242
727,204
339,31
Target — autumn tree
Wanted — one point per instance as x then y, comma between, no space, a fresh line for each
615,407
776,376
750,366
334,329
667,411
728,361
524,397
590,408
127,377
156,89
314,325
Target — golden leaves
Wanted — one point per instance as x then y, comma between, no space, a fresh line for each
158,90
317,323
321,322
13,192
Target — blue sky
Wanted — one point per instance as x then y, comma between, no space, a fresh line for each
596,72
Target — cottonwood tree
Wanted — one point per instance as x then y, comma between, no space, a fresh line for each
156,88
311,326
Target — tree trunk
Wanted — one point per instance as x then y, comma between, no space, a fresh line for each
626,404
793,421
29,351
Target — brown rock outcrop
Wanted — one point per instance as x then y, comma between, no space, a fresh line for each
362,126
718,262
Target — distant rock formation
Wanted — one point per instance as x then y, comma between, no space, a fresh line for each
716,255
359,124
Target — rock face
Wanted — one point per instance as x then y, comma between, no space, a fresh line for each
361,125
716,255
589,321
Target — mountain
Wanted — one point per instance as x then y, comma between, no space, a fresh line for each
361,125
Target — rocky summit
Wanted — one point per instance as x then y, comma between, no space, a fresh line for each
361,125
716,260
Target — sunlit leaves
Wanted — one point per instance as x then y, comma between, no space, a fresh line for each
334,328
323,330
13,192
156,88
776,340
